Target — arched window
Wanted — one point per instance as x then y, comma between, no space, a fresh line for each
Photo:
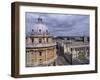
47,39
32,40
39,30
40,60
40,53
47,31
40,40
32,30
71,49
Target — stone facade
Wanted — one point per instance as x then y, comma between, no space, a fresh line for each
40,46
78,49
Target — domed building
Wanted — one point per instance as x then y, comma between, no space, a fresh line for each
40,46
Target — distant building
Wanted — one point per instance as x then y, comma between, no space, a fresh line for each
78,48
40,46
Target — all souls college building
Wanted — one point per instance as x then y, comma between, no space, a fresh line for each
40,46
79,50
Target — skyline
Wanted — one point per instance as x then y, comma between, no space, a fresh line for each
60,24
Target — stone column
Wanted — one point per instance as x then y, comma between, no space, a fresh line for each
85,52
46,55
36,58
76,54
73,53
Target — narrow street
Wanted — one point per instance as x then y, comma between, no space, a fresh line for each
66,59
61,61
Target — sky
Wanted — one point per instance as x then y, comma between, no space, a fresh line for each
60,24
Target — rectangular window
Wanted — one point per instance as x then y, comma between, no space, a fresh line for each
40,53
40,40
32,40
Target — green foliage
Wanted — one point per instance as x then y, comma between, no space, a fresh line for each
81,56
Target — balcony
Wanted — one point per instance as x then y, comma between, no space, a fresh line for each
38,45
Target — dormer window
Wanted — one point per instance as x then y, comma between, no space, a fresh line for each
47,31
32,30
39,30
39,20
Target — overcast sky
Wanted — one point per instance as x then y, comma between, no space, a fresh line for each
60,24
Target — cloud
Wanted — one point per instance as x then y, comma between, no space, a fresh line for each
60,24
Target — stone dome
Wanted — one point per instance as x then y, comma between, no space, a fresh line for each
40,27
